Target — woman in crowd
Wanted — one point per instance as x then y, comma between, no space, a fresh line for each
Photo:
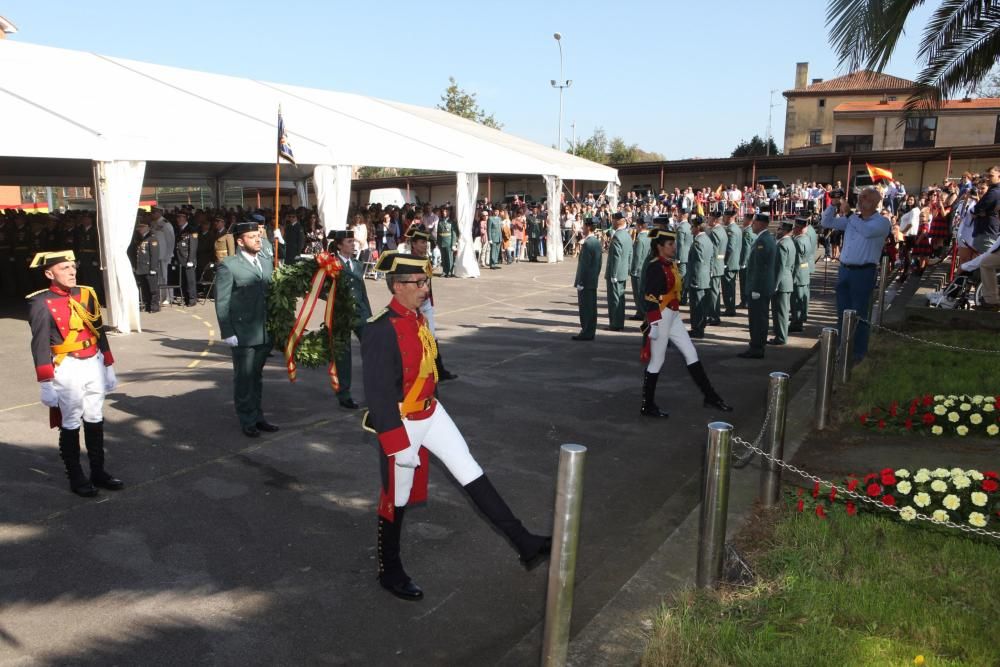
518,225
359,226
938,232
923,247
506,255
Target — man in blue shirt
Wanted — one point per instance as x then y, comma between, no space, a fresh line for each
864,235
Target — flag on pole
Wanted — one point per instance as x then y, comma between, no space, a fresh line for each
284,148
878,174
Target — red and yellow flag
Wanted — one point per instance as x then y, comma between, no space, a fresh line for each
878,173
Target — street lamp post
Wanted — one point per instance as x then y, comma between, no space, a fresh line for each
561,84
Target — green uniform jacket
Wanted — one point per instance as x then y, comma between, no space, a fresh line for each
720,240
619,257
684,241
734,246
446,233
588,267
699,262
640,249
803,250
354,279
493,229
241,300
784,280
762,265
813,244
748,237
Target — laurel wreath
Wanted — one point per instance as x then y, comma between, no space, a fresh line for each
289,283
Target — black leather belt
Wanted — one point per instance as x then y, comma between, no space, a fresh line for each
858,266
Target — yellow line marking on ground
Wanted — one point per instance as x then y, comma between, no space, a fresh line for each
206,323
197,317
18,407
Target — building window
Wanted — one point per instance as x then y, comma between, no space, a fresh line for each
815,137
822,103
920,132
853,143
996,133
890,98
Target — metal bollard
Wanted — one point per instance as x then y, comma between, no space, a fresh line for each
881,291
848,327
824,375
770,472
562,565
714,505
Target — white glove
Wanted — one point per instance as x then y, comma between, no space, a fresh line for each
231,341
579,288
49,397
408,458
190,264
754,295
152,273
110,380
654,330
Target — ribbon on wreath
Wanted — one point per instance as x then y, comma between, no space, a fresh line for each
328,266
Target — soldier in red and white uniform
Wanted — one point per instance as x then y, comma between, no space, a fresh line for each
398,351
74,366
664,325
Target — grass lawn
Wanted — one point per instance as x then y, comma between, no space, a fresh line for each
862,590
900,369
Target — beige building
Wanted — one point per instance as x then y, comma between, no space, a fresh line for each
809,113
882,126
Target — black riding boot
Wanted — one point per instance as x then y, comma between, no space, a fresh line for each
532,549
712,399
443,373
69,452
649,407
391,575
93,435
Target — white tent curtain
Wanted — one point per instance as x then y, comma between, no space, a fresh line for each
333,194
554,245
303,193
466,191
117,185
613,195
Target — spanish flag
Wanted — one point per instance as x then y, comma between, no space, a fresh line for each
877,173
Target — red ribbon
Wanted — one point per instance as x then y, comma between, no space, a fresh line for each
328,266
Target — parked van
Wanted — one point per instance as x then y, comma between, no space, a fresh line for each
392,197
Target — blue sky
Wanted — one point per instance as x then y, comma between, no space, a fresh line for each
686,79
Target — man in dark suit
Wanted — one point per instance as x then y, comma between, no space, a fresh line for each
241,285
761,270
342,243
295,237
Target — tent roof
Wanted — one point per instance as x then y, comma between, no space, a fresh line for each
188,124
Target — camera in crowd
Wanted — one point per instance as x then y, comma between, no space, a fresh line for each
837,194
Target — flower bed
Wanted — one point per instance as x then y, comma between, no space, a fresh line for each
960,415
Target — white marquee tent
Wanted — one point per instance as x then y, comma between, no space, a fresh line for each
74,117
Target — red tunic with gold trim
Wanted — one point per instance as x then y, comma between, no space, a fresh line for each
397,351
663,292
59,329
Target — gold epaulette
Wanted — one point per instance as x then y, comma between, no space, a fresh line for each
378,315
28,296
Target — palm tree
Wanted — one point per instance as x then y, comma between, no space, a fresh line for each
960,44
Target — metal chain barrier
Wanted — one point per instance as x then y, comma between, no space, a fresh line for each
742,460
926,342
859,496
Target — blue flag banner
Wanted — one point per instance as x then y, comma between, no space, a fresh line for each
284,148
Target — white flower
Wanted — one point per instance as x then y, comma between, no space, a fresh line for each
977,519
953,417
977,399
979,498
949,403
976,475
989,399
955,472
988,407
976,418
940,516
909,514
939,485
951,502
965,407
962,430
939,397
922,476
902,472
992,429
961,481
904,486
952,396
922,499
937,430
940,472
940,409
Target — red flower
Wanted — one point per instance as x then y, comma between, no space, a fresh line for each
996,403
870,476
989,474
928,418
852,484
889,500
893,407
881,423
851,509
873,490
820,512
816,490
990,485
799,494
928,401
913,409
800,506
888,477
864,419
833,493
908,424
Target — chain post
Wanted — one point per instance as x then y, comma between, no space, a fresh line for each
770,472
848,327
881,291
824,376
714,505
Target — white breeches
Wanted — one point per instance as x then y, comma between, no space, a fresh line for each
442,438
79,384
671,329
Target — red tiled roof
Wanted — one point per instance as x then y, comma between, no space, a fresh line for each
897,105
861,80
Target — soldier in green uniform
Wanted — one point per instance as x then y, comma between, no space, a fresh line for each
241,285
746,240
717,268
804,250
734,248
266,247
342,243
145,255
588,270
684,240
699,274
760,282
784,283
534,231
494,232
636,266
616,272
447,234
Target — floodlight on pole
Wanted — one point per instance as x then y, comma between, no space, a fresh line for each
562,84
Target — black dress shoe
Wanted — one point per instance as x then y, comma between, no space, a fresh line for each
616,328
639,317
582,337
406,590
696,334
446,375
251,432
715,322
718,404
750,354
742,305
730,313
539,557
84,489
798,329
775,341
106,481
653,411
349,403
267,427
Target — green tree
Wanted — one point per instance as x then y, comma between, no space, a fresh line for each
459,102
594,149
755,147
990,86
959,46
598,148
